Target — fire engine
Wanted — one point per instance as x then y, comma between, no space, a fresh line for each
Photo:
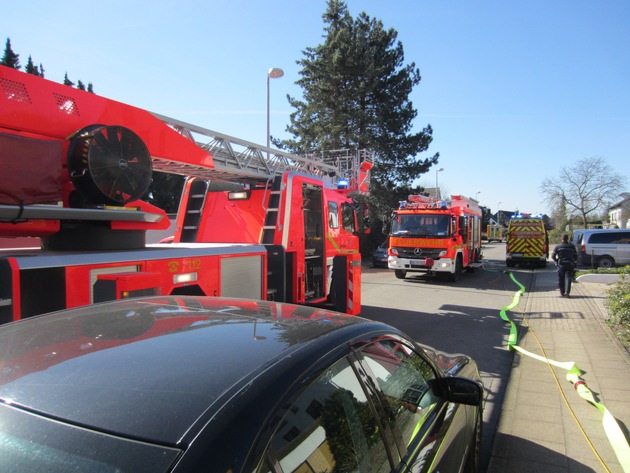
439,237
253,222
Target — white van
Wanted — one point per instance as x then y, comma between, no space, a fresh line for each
604,248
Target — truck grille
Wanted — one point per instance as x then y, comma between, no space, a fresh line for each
410,253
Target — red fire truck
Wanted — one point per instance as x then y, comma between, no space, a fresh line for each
439,237
253,222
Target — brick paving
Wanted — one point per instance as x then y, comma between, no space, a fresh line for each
545,426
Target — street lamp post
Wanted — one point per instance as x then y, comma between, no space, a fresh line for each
437,189
273,73
499,213
477,196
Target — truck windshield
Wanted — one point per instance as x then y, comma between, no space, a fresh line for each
421,225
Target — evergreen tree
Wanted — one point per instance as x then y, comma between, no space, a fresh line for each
356,95
90,88
30,67
80,85
356,91
41,70
67,81
10,59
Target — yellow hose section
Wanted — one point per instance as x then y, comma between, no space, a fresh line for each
614,433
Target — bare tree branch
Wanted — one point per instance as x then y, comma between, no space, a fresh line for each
584,189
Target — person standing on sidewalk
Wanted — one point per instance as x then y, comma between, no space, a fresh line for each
565,257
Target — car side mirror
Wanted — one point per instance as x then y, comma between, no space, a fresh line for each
462,391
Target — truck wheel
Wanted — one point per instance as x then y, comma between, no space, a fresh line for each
605,262
459,269
400,273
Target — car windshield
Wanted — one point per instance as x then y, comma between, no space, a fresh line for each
68,448
421,225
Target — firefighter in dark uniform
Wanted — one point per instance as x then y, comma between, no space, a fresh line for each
565,257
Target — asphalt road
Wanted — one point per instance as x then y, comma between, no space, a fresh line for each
460,317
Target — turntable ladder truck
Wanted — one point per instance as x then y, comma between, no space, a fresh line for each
253,222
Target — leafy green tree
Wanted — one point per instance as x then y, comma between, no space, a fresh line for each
356,91
584,189
10,59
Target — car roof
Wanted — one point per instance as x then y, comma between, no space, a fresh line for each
583,233
150,368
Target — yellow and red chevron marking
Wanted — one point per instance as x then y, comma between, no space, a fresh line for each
527,246
527,237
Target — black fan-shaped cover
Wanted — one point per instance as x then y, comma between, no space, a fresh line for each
109,164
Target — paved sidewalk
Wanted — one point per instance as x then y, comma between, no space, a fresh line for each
537,431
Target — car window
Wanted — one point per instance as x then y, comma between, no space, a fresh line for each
331,427
602,238
30,443
621,238
407,381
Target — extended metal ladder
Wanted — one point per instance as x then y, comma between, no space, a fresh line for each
237,160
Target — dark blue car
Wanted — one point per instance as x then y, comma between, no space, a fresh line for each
192,384
379,256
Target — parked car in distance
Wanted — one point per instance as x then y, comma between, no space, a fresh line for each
184,383
604,248
379,256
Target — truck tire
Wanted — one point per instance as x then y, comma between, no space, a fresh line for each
459,269
400,273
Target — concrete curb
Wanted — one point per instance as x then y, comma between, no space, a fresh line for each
599,278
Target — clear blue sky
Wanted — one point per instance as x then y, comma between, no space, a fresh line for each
514,91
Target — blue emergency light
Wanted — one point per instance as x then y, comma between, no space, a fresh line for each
342,184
